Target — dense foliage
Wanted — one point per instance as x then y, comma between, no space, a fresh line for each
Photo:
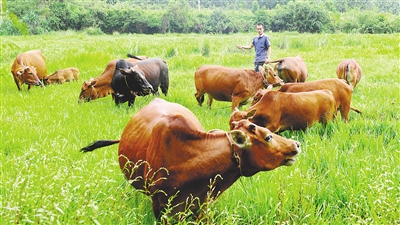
189,16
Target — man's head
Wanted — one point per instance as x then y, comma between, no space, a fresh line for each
260,28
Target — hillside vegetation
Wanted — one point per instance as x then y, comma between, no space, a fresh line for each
184,16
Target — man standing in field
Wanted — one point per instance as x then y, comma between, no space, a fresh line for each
262,46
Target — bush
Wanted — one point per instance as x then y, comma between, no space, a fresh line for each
219,22
93,31
7,28
301,17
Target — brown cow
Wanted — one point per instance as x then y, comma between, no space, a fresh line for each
101,86
227,84
291,69
272,79
340,90
350,71
29,68
279,111
62,76
174,158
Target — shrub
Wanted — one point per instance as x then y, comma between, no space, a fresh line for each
301,17
93,31
7,28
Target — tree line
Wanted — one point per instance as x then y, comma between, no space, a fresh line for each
198,16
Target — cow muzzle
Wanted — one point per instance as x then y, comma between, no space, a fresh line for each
36,82
290,160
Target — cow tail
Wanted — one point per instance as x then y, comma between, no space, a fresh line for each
356,110
98,144
346,72
164,80
132,56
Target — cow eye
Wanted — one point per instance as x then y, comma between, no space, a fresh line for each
268,138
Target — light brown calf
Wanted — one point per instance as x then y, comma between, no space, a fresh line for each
62,76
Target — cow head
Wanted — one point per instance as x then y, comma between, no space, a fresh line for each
137,82
28,75
47,80
238,115
260,150
259,94
272,78
88,92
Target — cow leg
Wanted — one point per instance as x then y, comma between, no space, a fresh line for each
18,84
344,112
116,101
210,100
235,102
132,101
164,89
156,207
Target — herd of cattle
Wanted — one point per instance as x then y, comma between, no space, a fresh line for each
165,151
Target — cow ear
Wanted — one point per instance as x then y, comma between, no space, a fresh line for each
92,83
251,113
239,138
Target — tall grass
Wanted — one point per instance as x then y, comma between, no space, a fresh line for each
346,174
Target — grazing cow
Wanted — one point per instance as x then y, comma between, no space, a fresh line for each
165,152
29,68
291,69
350,71
340,90
279,111
62,76
129,82
227,84
155,70
100,87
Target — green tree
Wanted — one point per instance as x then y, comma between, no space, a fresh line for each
176,17
219,22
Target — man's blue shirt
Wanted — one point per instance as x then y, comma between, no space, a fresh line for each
261,45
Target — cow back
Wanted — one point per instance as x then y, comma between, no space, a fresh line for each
222,83
147,129
31,58
291,69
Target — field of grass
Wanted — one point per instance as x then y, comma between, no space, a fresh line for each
346,173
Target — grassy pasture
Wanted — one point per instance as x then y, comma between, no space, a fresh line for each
346,174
